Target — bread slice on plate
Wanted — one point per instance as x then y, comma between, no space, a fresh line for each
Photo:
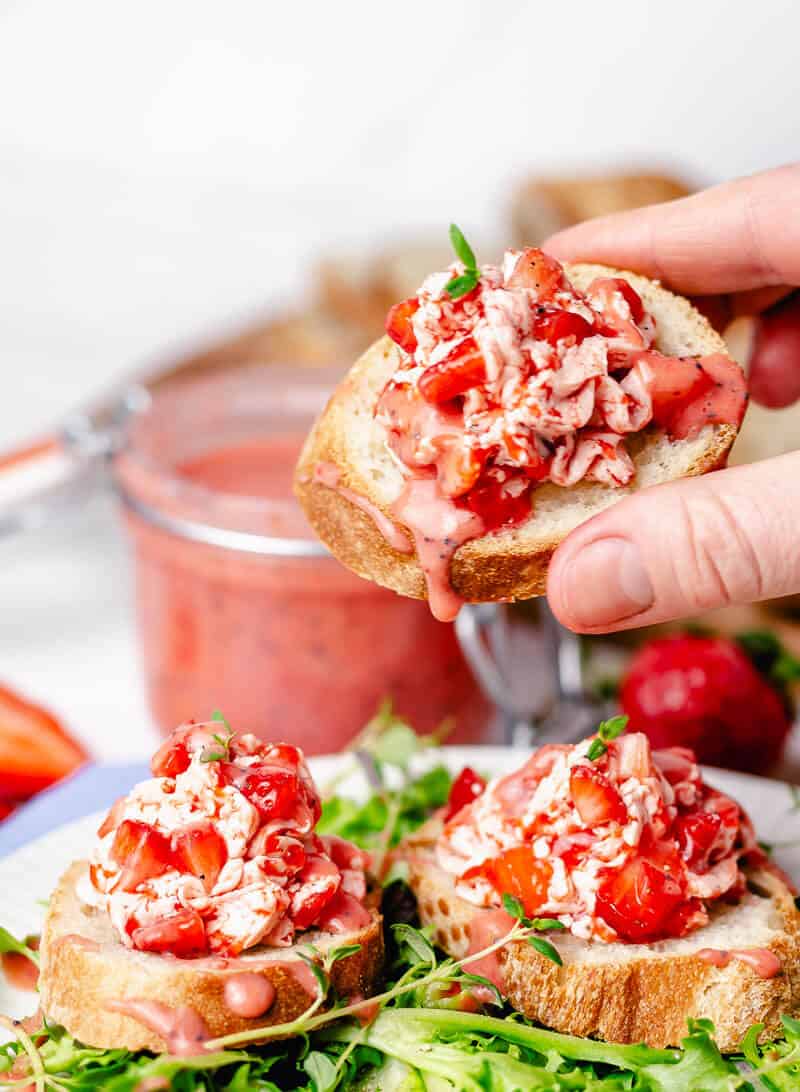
85,969
633,993
506,564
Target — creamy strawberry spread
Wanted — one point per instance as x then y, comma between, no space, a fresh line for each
632,846
217,852
523,380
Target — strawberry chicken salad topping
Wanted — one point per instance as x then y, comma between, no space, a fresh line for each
217,852
619,843
510,377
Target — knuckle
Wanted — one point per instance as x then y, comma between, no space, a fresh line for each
716,561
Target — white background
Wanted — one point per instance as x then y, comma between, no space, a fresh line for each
168,168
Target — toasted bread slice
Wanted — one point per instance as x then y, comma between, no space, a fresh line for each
632,993
508,564
84,968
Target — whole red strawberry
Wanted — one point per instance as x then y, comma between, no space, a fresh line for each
726,699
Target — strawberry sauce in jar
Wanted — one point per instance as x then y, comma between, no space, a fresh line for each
239,607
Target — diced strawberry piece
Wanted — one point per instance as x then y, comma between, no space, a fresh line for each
677,764
171,758
553,325
631,297
201,850
113,818
285,856
537,272
676,381
467,787
285,753
319,880
459,371
182,935
35,751
595,798
697,834
398,324
638,900
722,400
273,790
458,467
499,504
517,872
141,851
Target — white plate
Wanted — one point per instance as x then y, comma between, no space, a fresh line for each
28,876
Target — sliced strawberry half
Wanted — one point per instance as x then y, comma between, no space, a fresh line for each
183,935
201,850
595,798
35,750
141,851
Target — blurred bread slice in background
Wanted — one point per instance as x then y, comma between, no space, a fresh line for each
544,204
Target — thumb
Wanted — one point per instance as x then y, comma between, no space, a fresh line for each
678,549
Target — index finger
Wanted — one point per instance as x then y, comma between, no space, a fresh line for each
737,237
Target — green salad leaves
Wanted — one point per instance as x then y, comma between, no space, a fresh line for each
424,1033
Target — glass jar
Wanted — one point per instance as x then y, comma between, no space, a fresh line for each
239,607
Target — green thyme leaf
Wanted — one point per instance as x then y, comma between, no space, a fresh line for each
545,948
514,907
610,729
543,924
464,251
461,285
606,731
216,715
596,749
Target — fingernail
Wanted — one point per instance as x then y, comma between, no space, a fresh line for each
606,582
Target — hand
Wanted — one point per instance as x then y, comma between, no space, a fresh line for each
732,536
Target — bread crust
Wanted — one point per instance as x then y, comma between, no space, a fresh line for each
645,997
501,566
84,967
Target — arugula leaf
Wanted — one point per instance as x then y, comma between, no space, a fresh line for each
321,1070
